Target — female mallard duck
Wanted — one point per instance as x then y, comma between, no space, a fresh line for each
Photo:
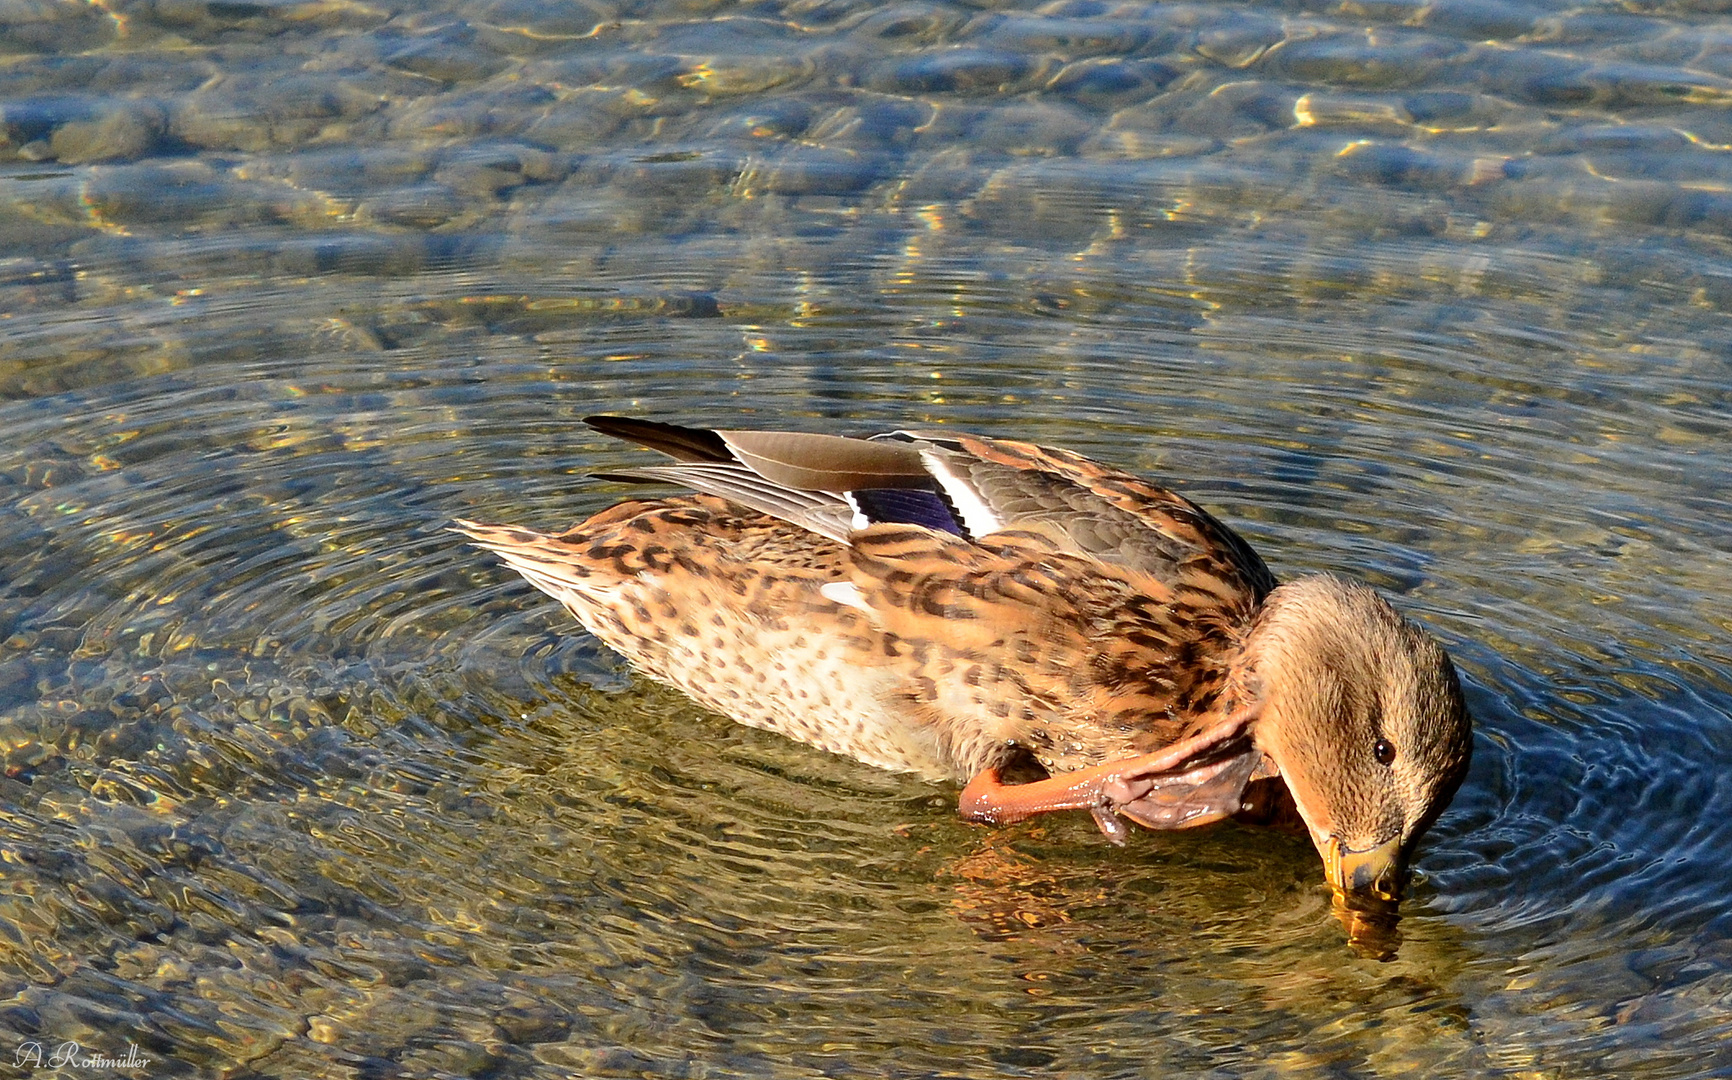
946,604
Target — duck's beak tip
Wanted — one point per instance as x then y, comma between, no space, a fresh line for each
1377,871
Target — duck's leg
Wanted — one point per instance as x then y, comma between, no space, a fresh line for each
988,799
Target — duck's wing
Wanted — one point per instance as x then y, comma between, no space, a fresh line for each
965,485
1091,509
826,483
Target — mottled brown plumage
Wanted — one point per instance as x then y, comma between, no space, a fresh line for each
944,604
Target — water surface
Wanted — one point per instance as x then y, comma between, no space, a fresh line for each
297,785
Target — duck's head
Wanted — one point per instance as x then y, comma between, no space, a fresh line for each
1361,713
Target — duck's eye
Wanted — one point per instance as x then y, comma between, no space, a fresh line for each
1384,751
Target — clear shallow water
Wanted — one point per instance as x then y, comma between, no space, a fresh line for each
296,785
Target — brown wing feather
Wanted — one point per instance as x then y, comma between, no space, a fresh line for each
827,462
1172,538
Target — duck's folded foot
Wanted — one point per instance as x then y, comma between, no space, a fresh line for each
1169,789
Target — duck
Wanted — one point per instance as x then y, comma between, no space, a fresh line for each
1049,632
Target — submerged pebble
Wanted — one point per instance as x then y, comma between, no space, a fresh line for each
958,70
121,133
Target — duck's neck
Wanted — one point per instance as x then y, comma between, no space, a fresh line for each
1297,633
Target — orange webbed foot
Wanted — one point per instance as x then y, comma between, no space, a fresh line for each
1194,782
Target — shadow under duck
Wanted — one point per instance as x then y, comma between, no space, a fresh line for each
948,605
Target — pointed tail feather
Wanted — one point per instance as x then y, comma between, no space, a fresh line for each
679,443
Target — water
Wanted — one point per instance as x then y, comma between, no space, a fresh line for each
297,785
